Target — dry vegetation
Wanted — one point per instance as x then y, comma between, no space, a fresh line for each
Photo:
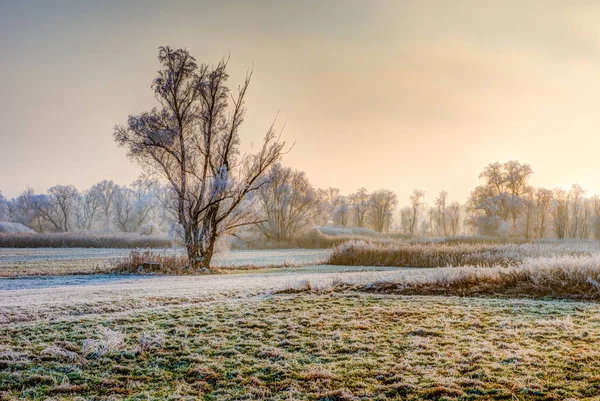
153,262
82,240
313,347
559,277
441,254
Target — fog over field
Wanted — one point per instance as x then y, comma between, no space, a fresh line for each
318,200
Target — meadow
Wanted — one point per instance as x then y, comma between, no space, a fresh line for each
311,346
370,319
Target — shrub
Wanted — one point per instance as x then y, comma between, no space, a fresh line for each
147,261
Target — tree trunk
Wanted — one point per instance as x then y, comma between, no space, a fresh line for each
200,243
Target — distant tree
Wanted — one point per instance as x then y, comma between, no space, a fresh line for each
560,213
359,205
4,212
406,219
417,204
441,217
23,210
133,205
330,199
105,192
498,202
192,141
123,209
288,203
87,208
382,204
341,213
595,205
577,223
57,207
454,218
529,206
543,197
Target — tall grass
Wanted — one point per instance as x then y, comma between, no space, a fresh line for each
363,253
82,240
562,277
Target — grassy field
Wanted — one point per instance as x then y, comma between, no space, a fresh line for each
16,262
312,346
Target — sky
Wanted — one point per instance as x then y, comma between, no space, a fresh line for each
375,94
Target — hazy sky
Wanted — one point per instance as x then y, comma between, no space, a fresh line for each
380,94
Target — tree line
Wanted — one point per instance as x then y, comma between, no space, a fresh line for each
200,186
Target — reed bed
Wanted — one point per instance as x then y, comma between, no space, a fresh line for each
365,253
82,240
556,277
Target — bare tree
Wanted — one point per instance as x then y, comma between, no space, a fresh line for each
576,219
123,209
417,203
496,202
440,215
87,208
359,204
288,203
560,213
192,141
57,207
543,197
529,205
330,198
341,213
405,219
454,218
595,205
382,204
4,213
105,191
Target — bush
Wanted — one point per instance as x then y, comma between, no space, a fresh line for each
144,262
82,240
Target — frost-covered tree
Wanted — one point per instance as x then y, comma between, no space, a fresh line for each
406,219
192,141
4,213
23,210
441,218
560,213
453,216
359,205
543,197
57,207
341,212
578,216
417,203
133,205
105,192
498,202
87,208
288,204
382,204
330,199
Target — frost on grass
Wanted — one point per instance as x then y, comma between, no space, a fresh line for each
322,346
106,341
435,254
